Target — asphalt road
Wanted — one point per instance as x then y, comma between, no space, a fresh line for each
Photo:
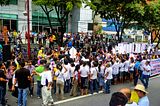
97,99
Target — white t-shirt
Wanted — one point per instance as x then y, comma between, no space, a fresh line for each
126,66
67,75
131,67
122,67
93,71
84,70
46,75
132,104
60,75
115,68
72,71
102,68
148,68
109,71
76,75
142,64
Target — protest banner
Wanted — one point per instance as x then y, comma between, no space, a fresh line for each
155,67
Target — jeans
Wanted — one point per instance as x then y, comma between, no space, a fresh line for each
145,80
2,96
54,86
22,97
67,86
135,77
107,86
93,85
38,88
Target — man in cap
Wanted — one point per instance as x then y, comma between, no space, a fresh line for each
143,101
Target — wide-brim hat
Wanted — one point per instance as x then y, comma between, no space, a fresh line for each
140,87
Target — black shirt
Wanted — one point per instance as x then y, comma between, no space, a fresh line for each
22,76
2,75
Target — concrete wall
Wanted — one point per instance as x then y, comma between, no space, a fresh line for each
80,19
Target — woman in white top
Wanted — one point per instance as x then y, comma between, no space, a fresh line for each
75,81
115,71
131,68
60,81
84,72
121,71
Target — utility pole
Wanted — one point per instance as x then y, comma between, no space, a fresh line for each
28,32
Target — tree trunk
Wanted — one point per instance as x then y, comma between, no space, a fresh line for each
122,31
49,21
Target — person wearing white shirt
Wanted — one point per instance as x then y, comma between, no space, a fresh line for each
72,68
131,68
107,78
126,69
93,78
46,82
142,64
60,81
67,76
146,74
101,74
121,71
115,71
75,82
84,72
142,94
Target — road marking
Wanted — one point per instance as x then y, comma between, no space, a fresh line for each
75,98
155,77
79,97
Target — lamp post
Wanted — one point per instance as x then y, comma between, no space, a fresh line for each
28,32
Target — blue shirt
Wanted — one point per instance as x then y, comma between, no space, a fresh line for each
143,101
137,65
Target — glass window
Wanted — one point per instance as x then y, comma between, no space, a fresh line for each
14,25
6,23
14,2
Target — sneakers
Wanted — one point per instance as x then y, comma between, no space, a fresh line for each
39,97
51,104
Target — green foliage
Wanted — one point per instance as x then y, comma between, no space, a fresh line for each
151,17
4,2
121,12
62,8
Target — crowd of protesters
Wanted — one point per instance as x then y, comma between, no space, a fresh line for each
62,70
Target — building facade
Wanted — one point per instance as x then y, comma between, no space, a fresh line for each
81,20
13,16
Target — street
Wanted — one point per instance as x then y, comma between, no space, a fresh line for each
96,99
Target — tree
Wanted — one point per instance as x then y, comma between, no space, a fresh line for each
62,8
4,2
122,12
151,20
